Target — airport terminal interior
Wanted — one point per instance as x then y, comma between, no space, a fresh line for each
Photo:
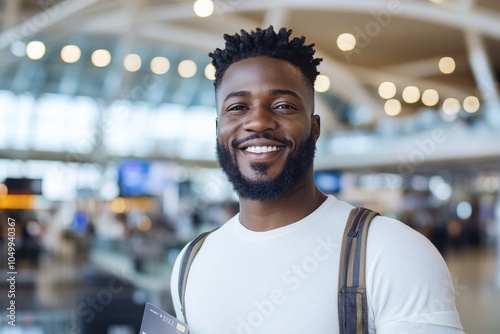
107,142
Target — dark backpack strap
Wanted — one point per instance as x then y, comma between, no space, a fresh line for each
352,303
187,260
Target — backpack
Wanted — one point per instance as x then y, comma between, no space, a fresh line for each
352,303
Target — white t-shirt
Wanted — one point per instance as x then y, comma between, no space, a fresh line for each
285,280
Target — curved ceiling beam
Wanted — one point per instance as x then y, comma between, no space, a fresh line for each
47,17
183,36
481,66
11,12
481,20
168,12
483,74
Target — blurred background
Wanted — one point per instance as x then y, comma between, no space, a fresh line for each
107,136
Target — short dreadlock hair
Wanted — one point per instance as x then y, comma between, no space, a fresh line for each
266,42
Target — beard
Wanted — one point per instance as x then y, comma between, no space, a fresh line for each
295,169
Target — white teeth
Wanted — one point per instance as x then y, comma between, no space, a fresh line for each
262,149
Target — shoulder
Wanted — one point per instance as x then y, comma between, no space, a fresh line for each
393,245
393,234
408,282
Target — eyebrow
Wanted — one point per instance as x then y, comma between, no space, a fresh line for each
271,92
236,94
283,92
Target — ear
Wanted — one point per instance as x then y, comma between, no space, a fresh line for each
316,126
216,124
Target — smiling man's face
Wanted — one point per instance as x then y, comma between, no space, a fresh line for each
266,130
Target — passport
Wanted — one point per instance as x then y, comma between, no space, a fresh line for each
157,321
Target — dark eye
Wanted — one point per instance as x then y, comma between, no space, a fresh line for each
236,108
285,106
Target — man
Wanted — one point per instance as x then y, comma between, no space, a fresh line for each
273,268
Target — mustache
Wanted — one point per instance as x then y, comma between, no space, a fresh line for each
237,143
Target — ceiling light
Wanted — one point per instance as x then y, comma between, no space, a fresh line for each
322,83
392,107
387,90
447,65
159,65
451,106
71,54
101,58
187,68
210,72
471,104
411,94
430,97
203,8
346,42
437,1
132,62
35,50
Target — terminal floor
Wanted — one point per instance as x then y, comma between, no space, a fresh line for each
477,289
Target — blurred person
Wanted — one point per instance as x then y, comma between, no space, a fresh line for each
456,234
273,267
440,238
30,244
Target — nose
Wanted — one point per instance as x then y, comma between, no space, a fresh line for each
260,119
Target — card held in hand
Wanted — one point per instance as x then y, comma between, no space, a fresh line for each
157,321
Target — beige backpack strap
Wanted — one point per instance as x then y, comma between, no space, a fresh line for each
187,260
352,303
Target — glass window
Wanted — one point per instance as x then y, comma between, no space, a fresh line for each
15,120
64,123
7,102
127,129
81,122
50,122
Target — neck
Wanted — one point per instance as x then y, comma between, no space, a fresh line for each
268,215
